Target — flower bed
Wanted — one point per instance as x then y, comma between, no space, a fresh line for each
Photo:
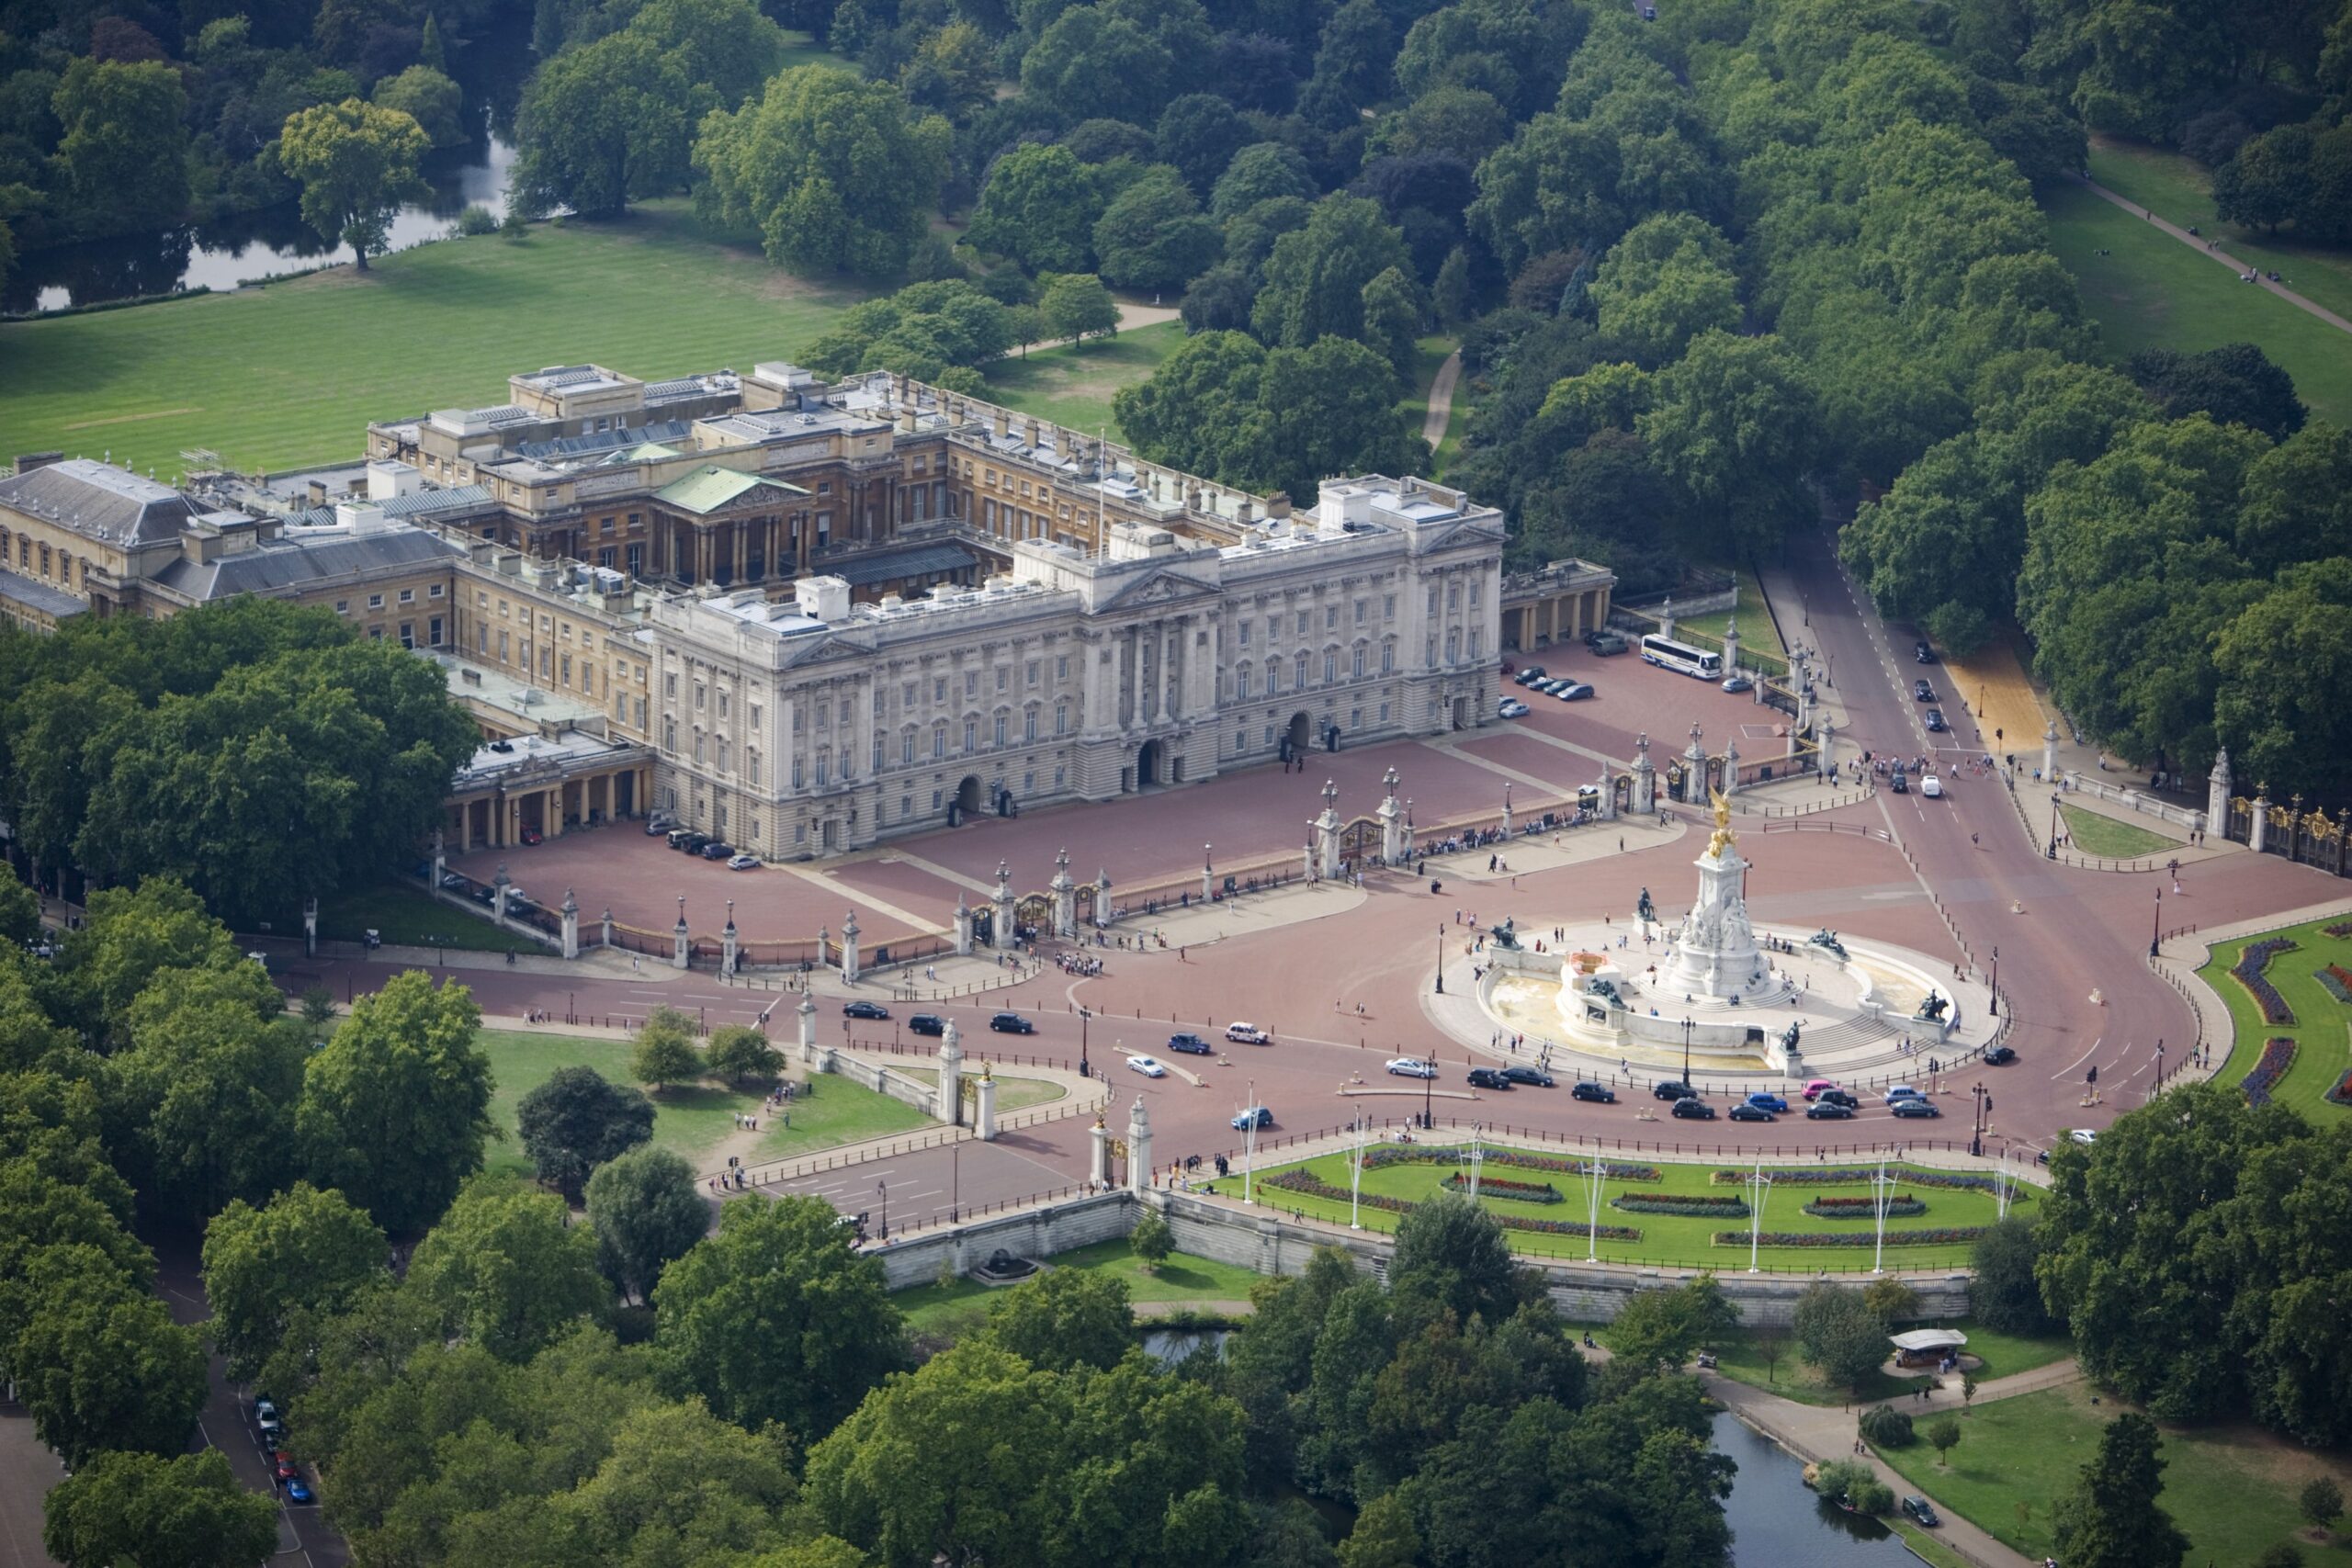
1946,1236
1309,1185
1686,1206
1899,1206
2248,970
1496,1187
1386,1154
2337,981
2342,1093
2277,1055
1860,1178
2340,929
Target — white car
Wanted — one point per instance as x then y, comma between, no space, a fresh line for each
744,862
1932,787
1248,1034
2082,1134
1411,1067
1147,1066
1512,709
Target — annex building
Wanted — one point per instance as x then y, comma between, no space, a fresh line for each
804,617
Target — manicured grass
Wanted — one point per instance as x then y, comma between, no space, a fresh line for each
1012,1093
691,1120
2231,1489
2323,1025
2151,291
1755,627
408,917
2094,834
2177,187
1674,1241
1791,1378
961,1306
1072,386
291,374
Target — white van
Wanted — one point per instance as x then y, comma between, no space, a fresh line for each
1248,1034
1932,787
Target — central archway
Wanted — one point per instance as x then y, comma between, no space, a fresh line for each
1302,729
1150,761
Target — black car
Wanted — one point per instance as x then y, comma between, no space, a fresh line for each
1918,1508
1922,652
1921,692
1828,1111
1935,721
926,1023
1486,1077
1845,1097
1190,1044
864,1010
1011,1023
1674,1088
1694,1111
1600,1094
1898,782
1920,1107
1534,1075
1743,1111
716,850
1999,1056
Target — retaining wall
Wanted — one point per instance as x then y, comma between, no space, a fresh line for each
924,1097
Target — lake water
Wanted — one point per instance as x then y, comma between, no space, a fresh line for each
247,246
1777,1523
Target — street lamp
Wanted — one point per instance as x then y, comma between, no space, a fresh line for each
1085,1016
882,1188
1441,960
1994,1010
1976,1130
1685,1053
2156,931
2052,852
954,1182
1428,1120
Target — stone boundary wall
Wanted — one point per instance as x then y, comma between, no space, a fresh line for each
924,1097
1268,1244
2137,800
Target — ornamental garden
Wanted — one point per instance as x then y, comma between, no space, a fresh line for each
2289,996
1679,1215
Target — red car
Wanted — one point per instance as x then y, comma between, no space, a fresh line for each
530,835
288,1470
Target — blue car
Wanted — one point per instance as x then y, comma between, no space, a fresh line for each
1256,1116
1772,1102
297,1492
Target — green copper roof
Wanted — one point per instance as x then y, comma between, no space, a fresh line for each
708,489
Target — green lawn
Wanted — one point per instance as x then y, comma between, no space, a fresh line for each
1012,1093
961,1307
2177,188
1755,627
408,917
1073,386
1790,1378
2323,1025
2098,835
291,374
2151,291
1673,1241
691,1120
2232,1489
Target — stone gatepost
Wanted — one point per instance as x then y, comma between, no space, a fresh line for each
849,949
1506,809
1003,938
1101,896
1208,873
1392,825
2259,831
1665,618
2050,752
963,928
2217,796
806,1013
570,924
984,1107
1645,790
1694,770
440,858
949,1106
1065,893
730,943
608,926
501,888
1327,833
1608,794
1731,769
1827,730
1138,1148
1098,1154
1731,647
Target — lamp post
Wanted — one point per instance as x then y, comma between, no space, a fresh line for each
1429,1085
1355,1176
2052,852
1595,1175
1977,1129
1085,1016
1685,1053
1879,1184
1441,960
954,1183
2156,931
1758,1185
1993,1008
882,1188
1249,1145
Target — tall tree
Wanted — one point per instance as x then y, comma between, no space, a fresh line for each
1154,236
1734,424
183,1512
507,1269
1315,277
1840,1332
576,1120
123,150
605,124
1039,208
663,1051
1076,306
647,1210
2110,1518
430,98
109,1368
305,1250
1064,1319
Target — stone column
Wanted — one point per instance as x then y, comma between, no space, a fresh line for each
1694,770
678,939
1644,775
1731,646
984,1107
609,926
1392,822
963,928
1102,907
1326,832
1608,794
1098,1154
2050,752
441,858
310,926
1506,808
849,949
1665,618
1064,899
2258,829
1138,1148
2217,803
806,1013
1731,769
1208,873
728,943
1823,760
1003,935
501,887
570,924
951,1076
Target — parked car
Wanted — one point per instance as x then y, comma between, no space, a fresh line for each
656,825
1256,1116
1598,1093
1011,1023
1921,692
265,1409
1922,652
1487,1077
1999,1056
531,835
1529,676
744,862
1932,787
1737,684
1935,721
1673,1089
1844,1097
717,849
864,1010
1815,1085
2082,1134
298,1491
1828,1111
1607,645
1900,1091
927,1024
1511,707
1535,1077
1917,1507
1411,1067
1743,1111
1248,1034
287,1471
678,837
1191,1044
1916,1108
1694,1111
1572,690
1147,1067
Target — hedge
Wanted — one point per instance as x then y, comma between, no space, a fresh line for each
1836,1177
1884,1426
1686,1206
1386,1154
1942,1236
1496,1187
1899,1206
1297,1179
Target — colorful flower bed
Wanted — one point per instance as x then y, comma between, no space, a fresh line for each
2337,981
2248,970
1860,1176
2340,931
2342,1093
1948,1235
2277,1055
1688,1206
1899,1206
1386,1154
1496,1187
1311,1186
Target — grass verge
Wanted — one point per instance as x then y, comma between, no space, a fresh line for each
1073,386
1739,1359
2323,1026
2096,834
408,917
1755,627
291,374
961,1306
1012,1094
2230,1488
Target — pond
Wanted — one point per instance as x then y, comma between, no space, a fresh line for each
246,245
1777,1523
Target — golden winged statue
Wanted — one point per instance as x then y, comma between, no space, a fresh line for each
1723,835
